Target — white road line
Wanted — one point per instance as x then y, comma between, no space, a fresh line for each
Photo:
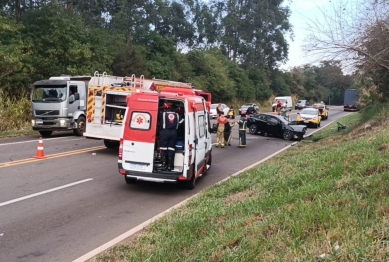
44,192
36,140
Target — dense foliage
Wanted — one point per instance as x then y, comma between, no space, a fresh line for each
228,47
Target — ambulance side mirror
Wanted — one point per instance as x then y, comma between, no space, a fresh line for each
213,129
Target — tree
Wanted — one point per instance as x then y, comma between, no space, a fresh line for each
354,32
252,31
14,72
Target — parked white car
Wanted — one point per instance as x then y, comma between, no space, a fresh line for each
225,109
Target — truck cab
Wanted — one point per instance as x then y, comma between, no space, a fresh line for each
58,104
139,153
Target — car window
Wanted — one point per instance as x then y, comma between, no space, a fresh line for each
272,121
309,112
262,117
213,106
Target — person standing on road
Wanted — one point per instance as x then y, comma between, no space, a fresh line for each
227,131
219,109
242,131
169,122
278,108
221,122
232,124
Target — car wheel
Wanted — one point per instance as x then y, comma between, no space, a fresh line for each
253,129
287,135
319,124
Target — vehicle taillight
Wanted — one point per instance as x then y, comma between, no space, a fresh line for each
121,150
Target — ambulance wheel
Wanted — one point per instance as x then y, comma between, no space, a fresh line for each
130,180
191,184
111,144
208,164
79,131
45,133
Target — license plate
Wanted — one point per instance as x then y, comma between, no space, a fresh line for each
137,166
306,121
39,121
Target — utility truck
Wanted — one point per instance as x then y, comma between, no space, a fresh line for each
107,104
351,100
59,103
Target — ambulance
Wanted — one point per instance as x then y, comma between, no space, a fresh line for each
139,153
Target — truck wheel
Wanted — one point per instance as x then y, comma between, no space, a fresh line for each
45,133
111,144
80,126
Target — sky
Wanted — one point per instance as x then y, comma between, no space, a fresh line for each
301,12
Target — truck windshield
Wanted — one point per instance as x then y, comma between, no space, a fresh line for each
49,94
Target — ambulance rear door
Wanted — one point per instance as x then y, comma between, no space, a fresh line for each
139,135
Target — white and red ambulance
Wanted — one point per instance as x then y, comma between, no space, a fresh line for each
139,154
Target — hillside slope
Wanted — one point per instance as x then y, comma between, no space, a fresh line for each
327,197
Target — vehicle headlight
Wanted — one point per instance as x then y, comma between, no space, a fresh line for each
33,122
62,122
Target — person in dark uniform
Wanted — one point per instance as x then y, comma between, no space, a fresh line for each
242,131
227,131
169,123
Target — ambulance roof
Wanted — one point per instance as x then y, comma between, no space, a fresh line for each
177,94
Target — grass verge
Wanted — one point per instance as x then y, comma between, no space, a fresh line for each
319,200
15,115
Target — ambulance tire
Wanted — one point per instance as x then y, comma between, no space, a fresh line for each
130,180
190,184
209,163
79,131
45,133
111,144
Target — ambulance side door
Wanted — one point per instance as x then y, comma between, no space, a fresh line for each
201,139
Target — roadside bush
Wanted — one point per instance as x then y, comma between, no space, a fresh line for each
15,112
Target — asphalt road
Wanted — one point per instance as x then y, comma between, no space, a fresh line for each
60,208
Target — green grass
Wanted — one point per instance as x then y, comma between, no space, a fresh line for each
326,197
15,115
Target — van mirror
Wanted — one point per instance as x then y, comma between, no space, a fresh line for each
213,129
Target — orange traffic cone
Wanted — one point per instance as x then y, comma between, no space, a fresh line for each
40,152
